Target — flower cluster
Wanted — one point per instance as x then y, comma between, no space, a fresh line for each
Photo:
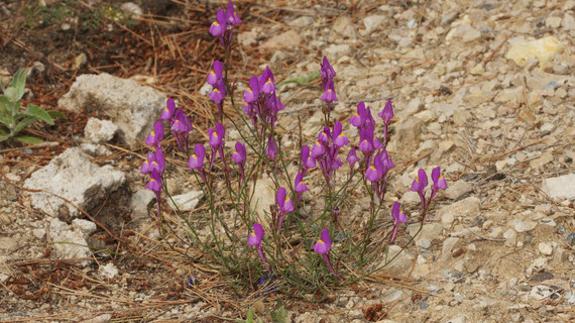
262,108
419,186
327,73
226,20
325,151
376,160
218,84
398,218
155,163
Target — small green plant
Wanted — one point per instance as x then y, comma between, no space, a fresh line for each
14,119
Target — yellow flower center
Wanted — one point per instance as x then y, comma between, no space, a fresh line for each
320,241
215,23
216,90
194,156
153,133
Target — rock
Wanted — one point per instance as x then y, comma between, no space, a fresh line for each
104,318
522,50
132,107
541,292
99,131
561,187
335,51
290,39
301,22
545,248
247,39
85,226
264,196
140,202
132,10
457,189
510,237
464,208
187,201
401,264
408,134
553,22
523,225
447,247
458,319
95,150
345,27
410,198
465,32
372,22
69,242
568,22
72,176
108,271
538,265
429,231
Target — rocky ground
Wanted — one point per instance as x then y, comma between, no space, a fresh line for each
483,88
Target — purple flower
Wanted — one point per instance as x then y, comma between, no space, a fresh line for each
306,161
219,26
267,81
239,156
323,247
181,123
352,157
156,135
216,73
387,112
168,111
272,148
339,138
317,150
255,239
419,184
398,218
146,167
299,185
328,95
196,161
155,183
283,202
284,206
216,135
218,92
439,182
373,174
159,161
232,18
327,71
251,94
256,236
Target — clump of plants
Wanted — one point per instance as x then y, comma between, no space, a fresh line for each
13,117
305,242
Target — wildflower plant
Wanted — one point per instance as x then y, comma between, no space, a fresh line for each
13,119
306,240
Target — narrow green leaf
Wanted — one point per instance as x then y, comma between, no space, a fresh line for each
4,138
56,114
15,90
10,107
22,124
29,140
39,113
